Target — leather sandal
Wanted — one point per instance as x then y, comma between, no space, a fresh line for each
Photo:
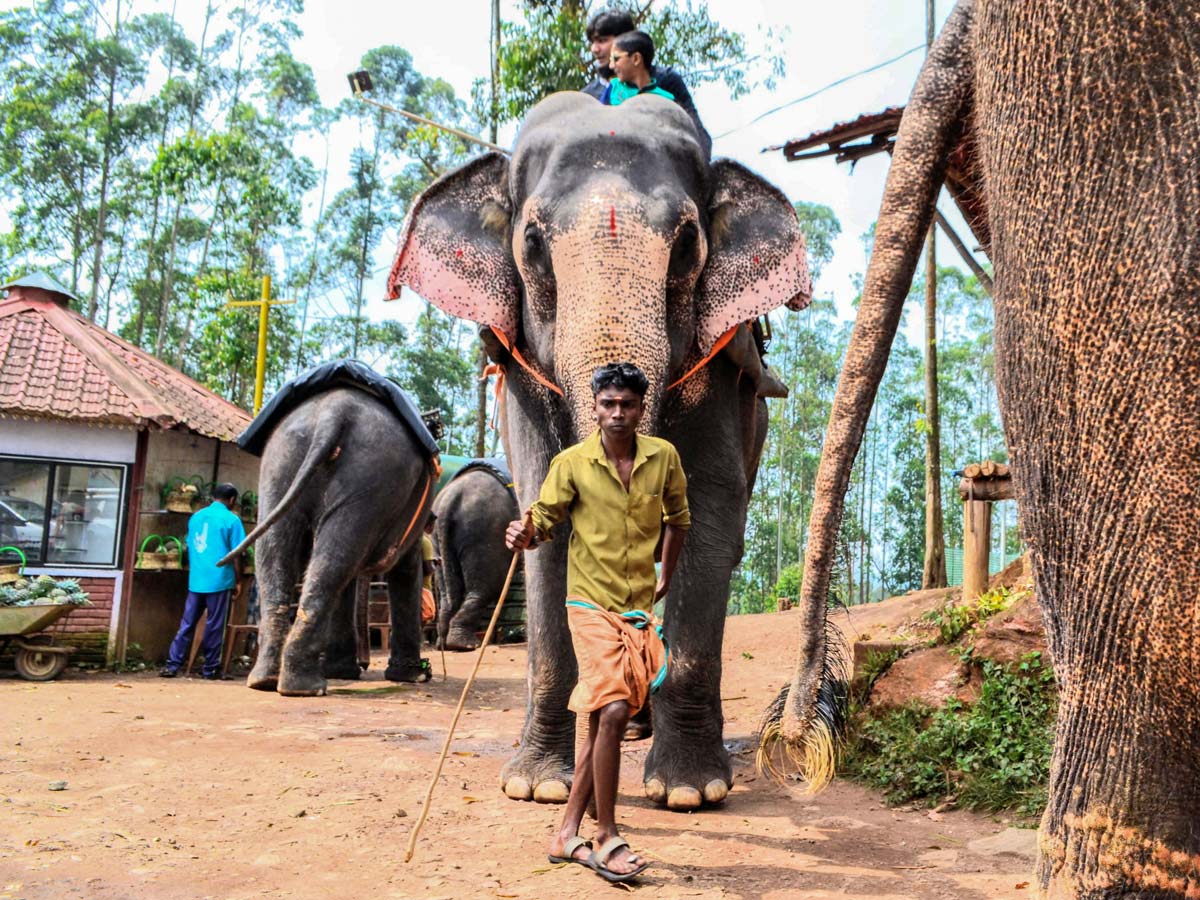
599,861
569,849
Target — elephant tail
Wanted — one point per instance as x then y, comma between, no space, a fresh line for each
803,726
324,448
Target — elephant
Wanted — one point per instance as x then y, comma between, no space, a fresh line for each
472,512
346,485
1084,120
609,236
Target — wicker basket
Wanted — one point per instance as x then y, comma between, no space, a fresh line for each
179,495
172,556
11,573
151,559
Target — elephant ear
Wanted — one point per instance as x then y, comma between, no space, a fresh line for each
756,255
454,251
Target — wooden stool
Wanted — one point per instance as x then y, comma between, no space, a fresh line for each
232,633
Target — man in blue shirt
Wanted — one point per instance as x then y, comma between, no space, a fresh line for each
212,533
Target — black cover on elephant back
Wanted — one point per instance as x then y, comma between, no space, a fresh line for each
495,467
339,373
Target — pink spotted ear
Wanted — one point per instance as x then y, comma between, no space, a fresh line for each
454,249
756,255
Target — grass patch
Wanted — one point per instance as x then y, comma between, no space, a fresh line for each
954,619
993,755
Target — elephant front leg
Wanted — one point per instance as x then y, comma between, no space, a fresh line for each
341,653
543,766
688,764
404,600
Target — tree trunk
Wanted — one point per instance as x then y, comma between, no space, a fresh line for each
934,574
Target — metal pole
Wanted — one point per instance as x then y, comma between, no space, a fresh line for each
260,370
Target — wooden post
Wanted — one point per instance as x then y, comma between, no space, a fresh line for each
977,541
982,484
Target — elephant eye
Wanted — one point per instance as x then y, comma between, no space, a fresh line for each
684,255
536,254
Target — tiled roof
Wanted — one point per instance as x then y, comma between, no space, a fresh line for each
55,364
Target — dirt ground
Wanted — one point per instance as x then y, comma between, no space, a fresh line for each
191,789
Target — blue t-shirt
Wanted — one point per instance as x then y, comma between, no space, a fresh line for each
212,533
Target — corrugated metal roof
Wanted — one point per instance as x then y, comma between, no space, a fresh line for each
876,133
56,364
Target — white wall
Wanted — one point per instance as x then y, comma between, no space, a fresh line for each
66,440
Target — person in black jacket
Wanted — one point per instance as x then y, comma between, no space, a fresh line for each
602,30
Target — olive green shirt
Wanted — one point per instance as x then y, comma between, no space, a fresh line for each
610,559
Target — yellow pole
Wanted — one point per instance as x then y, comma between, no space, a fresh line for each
260,369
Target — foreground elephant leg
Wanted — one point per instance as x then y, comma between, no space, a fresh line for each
404,599
542,768
279,567
341,653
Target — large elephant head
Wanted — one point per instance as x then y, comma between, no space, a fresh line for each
606,236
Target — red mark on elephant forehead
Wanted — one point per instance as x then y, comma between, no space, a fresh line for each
458,252
757,260
612,134
612,221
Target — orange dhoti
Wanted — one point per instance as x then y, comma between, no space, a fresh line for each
620,656
428,606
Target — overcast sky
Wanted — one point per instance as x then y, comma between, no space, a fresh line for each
826,42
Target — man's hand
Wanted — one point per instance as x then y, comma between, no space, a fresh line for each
661,589
519,535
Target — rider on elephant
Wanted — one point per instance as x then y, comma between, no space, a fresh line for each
602,31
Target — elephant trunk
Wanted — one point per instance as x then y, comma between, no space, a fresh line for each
611,302
803,724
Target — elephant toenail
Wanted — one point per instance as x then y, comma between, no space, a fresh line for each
683,798
517,788
656,790
551,792
716,791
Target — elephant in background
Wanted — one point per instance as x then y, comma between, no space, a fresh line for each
472,512
1085,123
345,485
609,236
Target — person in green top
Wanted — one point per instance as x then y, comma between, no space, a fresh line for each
632,61
621,491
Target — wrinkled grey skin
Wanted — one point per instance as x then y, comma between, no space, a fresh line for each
472,512
597,243
1086,120
354,475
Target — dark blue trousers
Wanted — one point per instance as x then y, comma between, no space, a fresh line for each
217,606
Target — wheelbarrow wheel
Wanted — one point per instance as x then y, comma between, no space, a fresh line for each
39,665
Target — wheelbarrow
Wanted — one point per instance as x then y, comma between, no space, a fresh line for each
37,657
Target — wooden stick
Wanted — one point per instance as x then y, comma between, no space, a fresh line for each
487,638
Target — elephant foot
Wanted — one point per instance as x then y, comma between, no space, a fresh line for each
295,684
262,678
461,641
640,726
346,671
411,672
530,776
683,774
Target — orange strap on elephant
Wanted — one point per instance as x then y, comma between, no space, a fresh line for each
437,467
543,380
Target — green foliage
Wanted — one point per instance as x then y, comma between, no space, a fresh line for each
955,619
548,51
993,755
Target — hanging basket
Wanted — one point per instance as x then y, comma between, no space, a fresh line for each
10,573
151,560
172,556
